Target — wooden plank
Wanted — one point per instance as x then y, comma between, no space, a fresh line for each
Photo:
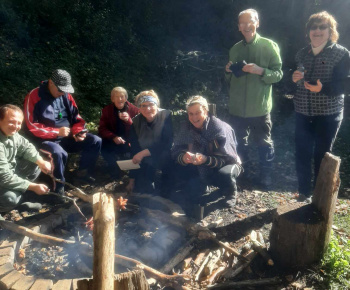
42,284
5,269
23,284
10,279
65,284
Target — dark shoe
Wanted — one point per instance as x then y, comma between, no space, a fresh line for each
30,206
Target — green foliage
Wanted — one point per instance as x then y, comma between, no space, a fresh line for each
336,263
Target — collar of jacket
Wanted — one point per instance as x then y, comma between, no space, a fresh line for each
44,91
329,45
4,139
254,41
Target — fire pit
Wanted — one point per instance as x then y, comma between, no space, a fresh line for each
140,234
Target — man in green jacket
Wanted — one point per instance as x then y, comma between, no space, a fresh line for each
19,164
254,65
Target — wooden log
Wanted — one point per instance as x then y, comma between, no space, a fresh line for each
214,276
300,233
326,191
104,242
201,267
263,252
212,262
179,256
239,266
135,278
130,280
247,283
295,235
46,239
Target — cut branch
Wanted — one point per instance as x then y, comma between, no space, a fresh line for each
46,239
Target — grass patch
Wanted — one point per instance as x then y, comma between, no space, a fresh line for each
336,263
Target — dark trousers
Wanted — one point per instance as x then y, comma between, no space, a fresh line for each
257,130
90,149
193,187
154,174
9,199
112,152
314,136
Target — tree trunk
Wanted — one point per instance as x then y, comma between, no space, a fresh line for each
300,233
104,242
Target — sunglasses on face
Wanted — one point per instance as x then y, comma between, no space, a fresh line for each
320,27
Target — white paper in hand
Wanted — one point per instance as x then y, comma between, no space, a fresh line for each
127,164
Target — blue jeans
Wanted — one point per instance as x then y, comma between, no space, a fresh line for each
314,136
90,149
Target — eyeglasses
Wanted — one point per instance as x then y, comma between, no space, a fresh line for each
320,27
151,105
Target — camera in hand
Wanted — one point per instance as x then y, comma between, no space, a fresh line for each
236,68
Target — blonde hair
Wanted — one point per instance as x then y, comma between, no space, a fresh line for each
329,19
146,93
119,90
250,11
197,100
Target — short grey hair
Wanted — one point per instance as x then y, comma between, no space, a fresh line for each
250,11
119,90
197,100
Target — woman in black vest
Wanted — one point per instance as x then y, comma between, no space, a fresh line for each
151,138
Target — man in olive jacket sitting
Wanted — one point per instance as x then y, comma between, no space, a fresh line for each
20,164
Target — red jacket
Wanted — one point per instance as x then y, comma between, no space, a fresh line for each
39,113
108,123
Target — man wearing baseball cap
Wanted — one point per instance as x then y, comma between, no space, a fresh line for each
55,125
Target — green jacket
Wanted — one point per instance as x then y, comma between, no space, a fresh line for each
251,94
12,148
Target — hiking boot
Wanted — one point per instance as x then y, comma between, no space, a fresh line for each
29,206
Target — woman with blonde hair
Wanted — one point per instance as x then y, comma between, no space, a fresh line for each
151,138
319,99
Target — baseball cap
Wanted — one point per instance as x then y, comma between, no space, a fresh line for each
62,80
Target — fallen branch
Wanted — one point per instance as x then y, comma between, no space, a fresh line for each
46,239
78,192
175,281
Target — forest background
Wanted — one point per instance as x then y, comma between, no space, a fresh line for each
177,48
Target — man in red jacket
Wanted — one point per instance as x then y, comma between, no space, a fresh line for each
114,128
55,125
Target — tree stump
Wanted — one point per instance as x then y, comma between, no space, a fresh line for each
130,280
300,233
